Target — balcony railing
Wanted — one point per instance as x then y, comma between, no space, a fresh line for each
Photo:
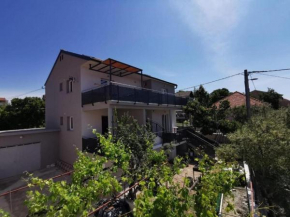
127,93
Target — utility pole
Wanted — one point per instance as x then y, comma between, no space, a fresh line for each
247,91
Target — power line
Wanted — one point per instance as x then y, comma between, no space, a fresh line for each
211,81
276,76
26,93
274,70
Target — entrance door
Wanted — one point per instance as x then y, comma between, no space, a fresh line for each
165,122
105,125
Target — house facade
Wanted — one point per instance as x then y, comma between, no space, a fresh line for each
83,93
3,101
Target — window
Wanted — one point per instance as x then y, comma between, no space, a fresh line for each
70,123
164,90
60,86
69,86
61,121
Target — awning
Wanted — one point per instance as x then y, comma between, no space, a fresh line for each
114,67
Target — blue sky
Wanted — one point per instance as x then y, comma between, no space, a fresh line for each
187,42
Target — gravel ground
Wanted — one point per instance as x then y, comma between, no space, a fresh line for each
239,200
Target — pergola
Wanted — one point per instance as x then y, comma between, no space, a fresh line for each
116,68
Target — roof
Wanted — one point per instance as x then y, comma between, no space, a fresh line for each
283,102
237,99
2,99
184,94
117,68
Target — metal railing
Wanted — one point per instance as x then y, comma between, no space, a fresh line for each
121,92
91,145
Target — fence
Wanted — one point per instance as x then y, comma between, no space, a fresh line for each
121,92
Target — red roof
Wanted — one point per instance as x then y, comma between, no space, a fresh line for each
237,99
2,99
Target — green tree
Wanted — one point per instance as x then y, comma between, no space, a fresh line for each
138,140
175,200
218,94
272,97
90,182
23,113
210,119
264,143
201,96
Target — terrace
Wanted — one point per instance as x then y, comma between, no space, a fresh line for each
118,92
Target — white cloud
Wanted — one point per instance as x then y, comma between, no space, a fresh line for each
214,21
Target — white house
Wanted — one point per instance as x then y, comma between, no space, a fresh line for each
82,93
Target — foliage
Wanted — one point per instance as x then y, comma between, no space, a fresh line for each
4,214
272,97
201,96
218,94
159,194
210,119
206,116
264,143
216,178
90,182
176,200
137,140
172,201
22,113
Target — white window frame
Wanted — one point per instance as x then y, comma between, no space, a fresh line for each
71,123
163,90
70,86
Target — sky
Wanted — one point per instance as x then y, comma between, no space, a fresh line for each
187,42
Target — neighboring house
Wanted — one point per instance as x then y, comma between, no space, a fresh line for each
83,92
237,99
257,93
3,101
187,94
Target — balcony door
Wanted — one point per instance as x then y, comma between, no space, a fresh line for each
165,122
105,125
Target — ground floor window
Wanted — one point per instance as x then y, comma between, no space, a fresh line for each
70,123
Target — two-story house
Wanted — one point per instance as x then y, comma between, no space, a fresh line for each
83,92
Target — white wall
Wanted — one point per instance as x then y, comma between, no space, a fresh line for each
27,150
138,114
62,104
15,160
91,79
92,120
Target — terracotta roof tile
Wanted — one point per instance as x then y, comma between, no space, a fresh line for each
238,99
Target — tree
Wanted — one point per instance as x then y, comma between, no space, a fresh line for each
137,140
201,96
210,119
23,113
90,183
263,143
174,200
218,94
272,97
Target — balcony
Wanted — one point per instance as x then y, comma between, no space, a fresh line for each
126,93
